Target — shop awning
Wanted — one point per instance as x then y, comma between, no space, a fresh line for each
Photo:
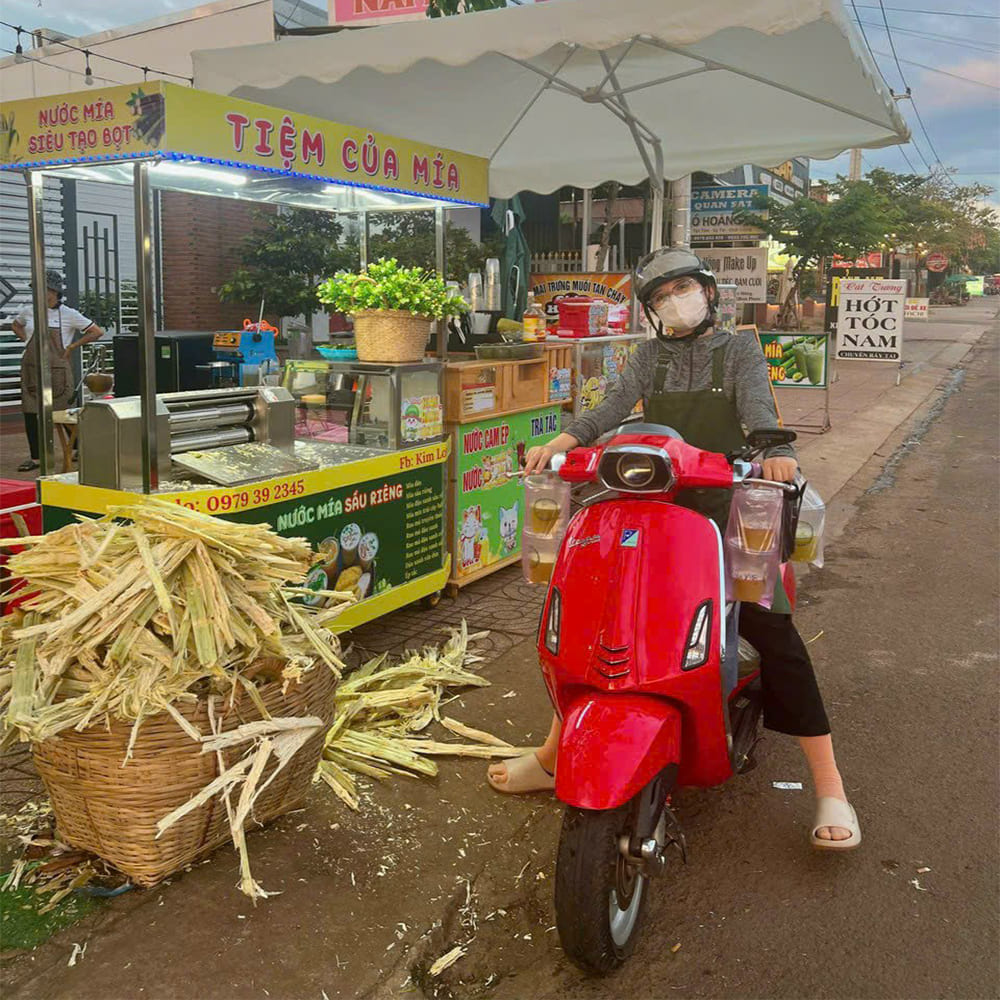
576,92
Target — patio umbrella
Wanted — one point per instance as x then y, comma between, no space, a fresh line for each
577,92
515,262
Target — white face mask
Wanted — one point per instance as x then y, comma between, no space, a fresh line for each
683,312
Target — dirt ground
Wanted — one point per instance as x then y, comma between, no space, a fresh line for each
902,624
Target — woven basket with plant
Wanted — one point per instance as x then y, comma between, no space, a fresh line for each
393,308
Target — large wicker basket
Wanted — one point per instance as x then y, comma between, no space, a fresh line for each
112,811
390,335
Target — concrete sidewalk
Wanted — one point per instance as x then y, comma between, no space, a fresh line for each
866,405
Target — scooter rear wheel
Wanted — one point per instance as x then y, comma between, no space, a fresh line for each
599,895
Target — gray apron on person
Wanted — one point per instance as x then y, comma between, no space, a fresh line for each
60,374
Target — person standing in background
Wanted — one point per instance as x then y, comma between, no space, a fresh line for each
68,330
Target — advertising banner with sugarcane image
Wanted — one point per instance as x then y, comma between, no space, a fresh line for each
796,361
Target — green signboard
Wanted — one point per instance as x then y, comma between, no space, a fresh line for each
796,361
488,502
377,526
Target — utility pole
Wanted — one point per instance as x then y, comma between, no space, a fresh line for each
854,174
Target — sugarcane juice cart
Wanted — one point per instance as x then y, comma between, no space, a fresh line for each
368,492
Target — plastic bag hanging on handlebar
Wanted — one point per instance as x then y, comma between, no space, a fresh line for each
810,528
753,545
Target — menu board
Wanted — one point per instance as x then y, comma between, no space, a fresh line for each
488,501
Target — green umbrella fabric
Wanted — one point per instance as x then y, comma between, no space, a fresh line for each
515,261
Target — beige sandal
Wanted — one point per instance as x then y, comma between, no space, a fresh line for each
835,812
524,774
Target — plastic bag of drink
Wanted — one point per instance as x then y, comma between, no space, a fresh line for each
809,530
753,543
546,518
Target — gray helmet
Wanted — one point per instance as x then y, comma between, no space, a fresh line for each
667,263
664,265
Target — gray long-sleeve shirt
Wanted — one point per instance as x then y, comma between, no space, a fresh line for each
689,368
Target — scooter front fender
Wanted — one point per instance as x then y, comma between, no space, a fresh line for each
612,746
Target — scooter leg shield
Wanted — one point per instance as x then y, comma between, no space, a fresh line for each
612,746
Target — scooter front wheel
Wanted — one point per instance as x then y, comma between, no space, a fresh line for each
599,894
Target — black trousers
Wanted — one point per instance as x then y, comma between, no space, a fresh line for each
31,430
792,702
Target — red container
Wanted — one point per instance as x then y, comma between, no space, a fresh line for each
16,497
583,317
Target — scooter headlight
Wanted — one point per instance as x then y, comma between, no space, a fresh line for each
553,622
636,469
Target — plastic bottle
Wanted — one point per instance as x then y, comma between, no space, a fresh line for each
534,321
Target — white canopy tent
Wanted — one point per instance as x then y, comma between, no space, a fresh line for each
577,92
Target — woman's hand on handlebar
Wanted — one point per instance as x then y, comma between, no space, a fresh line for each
537,459
781,469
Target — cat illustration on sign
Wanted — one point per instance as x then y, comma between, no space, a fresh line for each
508,527
470,537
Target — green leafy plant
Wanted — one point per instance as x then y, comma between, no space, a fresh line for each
386,285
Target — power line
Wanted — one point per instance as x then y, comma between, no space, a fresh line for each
88,53
942,72
892,47
857,17
947,39
936,13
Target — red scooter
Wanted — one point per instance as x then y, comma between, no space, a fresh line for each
632,642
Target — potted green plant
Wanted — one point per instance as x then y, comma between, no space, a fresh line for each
392,306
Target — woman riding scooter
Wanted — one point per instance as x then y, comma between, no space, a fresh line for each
708,386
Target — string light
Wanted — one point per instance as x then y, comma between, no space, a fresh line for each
87,53
88,75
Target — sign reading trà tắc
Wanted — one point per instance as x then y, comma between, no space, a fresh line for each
870,320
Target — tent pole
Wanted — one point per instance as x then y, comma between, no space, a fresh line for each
439,255
656,224
363,239
680,211
143,204
40,343
588,209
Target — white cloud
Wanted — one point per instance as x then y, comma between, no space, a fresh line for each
979,85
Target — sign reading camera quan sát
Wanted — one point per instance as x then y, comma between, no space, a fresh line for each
870,319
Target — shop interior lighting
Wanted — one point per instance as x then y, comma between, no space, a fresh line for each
171,168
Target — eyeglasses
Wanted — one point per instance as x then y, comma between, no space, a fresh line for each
680,287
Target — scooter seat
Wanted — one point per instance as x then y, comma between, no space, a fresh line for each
749,659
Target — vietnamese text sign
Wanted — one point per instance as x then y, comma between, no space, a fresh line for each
833,281
488,499
917,309
165,119
612,287
712,211
870,321
746,269
796,361
376,10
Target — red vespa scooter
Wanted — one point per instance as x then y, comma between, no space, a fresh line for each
632,643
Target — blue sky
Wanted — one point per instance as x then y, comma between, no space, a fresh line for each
949,55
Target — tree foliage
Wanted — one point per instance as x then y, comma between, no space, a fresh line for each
448,8
886,211
284,259
409,237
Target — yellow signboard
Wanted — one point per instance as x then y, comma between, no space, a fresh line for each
171,121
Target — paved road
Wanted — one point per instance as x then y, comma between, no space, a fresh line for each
907,606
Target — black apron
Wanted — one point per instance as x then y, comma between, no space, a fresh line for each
706,419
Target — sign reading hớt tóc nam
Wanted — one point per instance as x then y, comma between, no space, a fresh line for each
870,319
746,269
